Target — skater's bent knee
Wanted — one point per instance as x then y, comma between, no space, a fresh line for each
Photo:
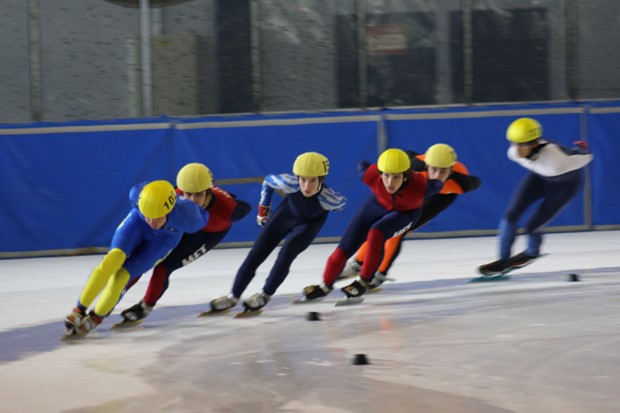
113,261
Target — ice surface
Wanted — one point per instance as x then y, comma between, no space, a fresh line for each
435,343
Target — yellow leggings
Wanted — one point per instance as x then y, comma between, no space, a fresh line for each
111,278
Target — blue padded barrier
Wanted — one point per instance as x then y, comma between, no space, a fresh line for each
66,184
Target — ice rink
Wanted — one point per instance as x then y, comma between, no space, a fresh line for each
538,343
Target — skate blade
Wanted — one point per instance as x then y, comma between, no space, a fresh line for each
494,274
306,301
515,267
248,313
491,278
67,337
74,337
349,301
126,324
71,335
212,313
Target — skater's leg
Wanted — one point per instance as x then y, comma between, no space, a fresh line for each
392,224
375,242
298,240
158,284
433,206
272,233
391,251
558,196
528,192
112,293
360,255
192,247
98,279
507,235
354,236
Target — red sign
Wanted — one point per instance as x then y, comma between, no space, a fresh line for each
386,39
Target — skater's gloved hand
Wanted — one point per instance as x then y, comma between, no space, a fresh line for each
582,145
264,212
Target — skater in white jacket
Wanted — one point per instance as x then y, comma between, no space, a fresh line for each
556,177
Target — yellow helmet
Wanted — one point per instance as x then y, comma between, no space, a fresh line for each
194,178
157,199
311,164
394,161
524,130
440,155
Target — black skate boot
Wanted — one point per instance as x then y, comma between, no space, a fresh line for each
521,260
315,292
495,268
136,312
356,289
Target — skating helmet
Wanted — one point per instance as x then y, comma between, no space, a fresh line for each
194,178
394,161
440,155
157,199
524,130
311,164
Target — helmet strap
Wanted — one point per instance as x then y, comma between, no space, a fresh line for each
208,199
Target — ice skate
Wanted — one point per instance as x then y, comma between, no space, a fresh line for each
351,269
313,293
349,301
522,259
73,322
495,268
376,281
498,270
253,305
220,305
246,314
134,315
356,289
256,302
89,323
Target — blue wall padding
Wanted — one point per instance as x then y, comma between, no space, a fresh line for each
604,130
65,185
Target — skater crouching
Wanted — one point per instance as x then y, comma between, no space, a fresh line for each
153,227
194,182
398,194
297,219
441,158
556,176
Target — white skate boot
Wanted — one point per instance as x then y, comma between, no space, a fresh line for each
73,322
89,323
376,281
351,269
256,302
225,302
